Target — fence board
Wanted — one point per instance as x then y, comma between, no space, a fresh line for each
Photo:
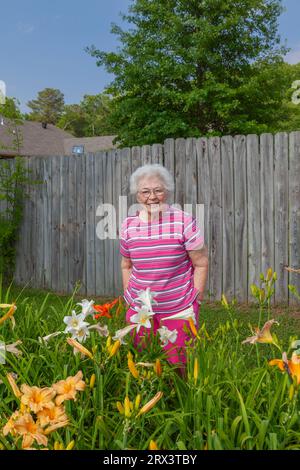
281,214
204,191
240,219
294,211
65,247
228,215
253,194
99,242
157,154
216,232
267,202
116,180
109,243
60,225
90,225
180,160
47,223
80,229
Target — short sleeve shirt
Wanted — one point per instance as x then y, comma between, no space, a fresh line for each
159,254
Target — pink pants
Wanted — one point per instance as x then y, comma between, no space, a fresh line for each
176,352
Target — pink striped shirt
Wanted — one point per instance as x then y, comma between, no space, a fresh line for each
158,251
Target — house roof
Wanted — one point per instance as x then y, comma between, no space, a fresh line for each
91,144
38,141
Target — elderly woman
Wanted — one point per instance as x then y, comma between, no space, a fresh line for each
162,249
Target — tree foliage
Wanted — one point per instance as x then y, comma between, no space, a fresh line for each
89,118
195,67
48,106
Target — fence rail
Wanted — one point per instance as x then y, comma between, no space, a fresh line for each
249,185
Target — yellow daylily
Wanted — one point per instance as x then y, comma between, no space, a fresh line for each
14,386
196,370
150,404
76,345
114,348
92,381
263,335
11,311
131,366
158,368
70,445
153,445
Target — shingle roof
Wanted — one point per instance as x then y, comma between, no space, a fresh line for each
35,139
38,141
91,144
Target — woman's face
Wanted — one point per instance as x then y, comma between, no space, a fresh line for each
151,193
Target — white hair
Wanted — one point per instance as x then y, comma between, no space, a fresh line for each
147,171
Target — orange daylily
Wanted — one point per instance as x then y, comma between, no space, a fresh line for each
31,431
37,398
56,414
104,309
67,389
10,425
292,366
263,335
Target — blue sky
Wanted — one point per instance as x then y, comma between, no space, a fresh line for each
42,44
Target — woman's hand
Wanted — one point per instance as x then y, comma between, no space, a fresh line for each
200,297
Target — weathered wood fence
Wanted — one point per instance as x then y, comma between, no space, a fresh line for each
249,185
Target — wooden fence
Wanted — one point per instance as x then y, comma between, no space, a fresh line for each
249,185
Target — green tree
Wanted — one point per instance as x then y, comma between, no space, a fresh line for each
89,118
191,68
10,109
48,106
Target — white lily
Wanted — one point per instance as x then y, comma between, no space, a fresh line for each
45,339
142,318
81,334
146,297
167,335
119,334
75,322
12,348
184,315
87,307
102,330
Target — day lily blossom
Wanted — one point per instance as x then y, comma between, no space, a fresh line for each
150,404
263,335
11,311
104,310
37,398
291,366
79,347
67,389
30,430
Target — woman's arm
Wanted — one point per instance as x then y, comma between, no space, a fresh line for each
126,267
200,263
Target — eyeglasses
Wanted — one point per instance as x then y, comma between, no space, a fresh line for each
146,192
